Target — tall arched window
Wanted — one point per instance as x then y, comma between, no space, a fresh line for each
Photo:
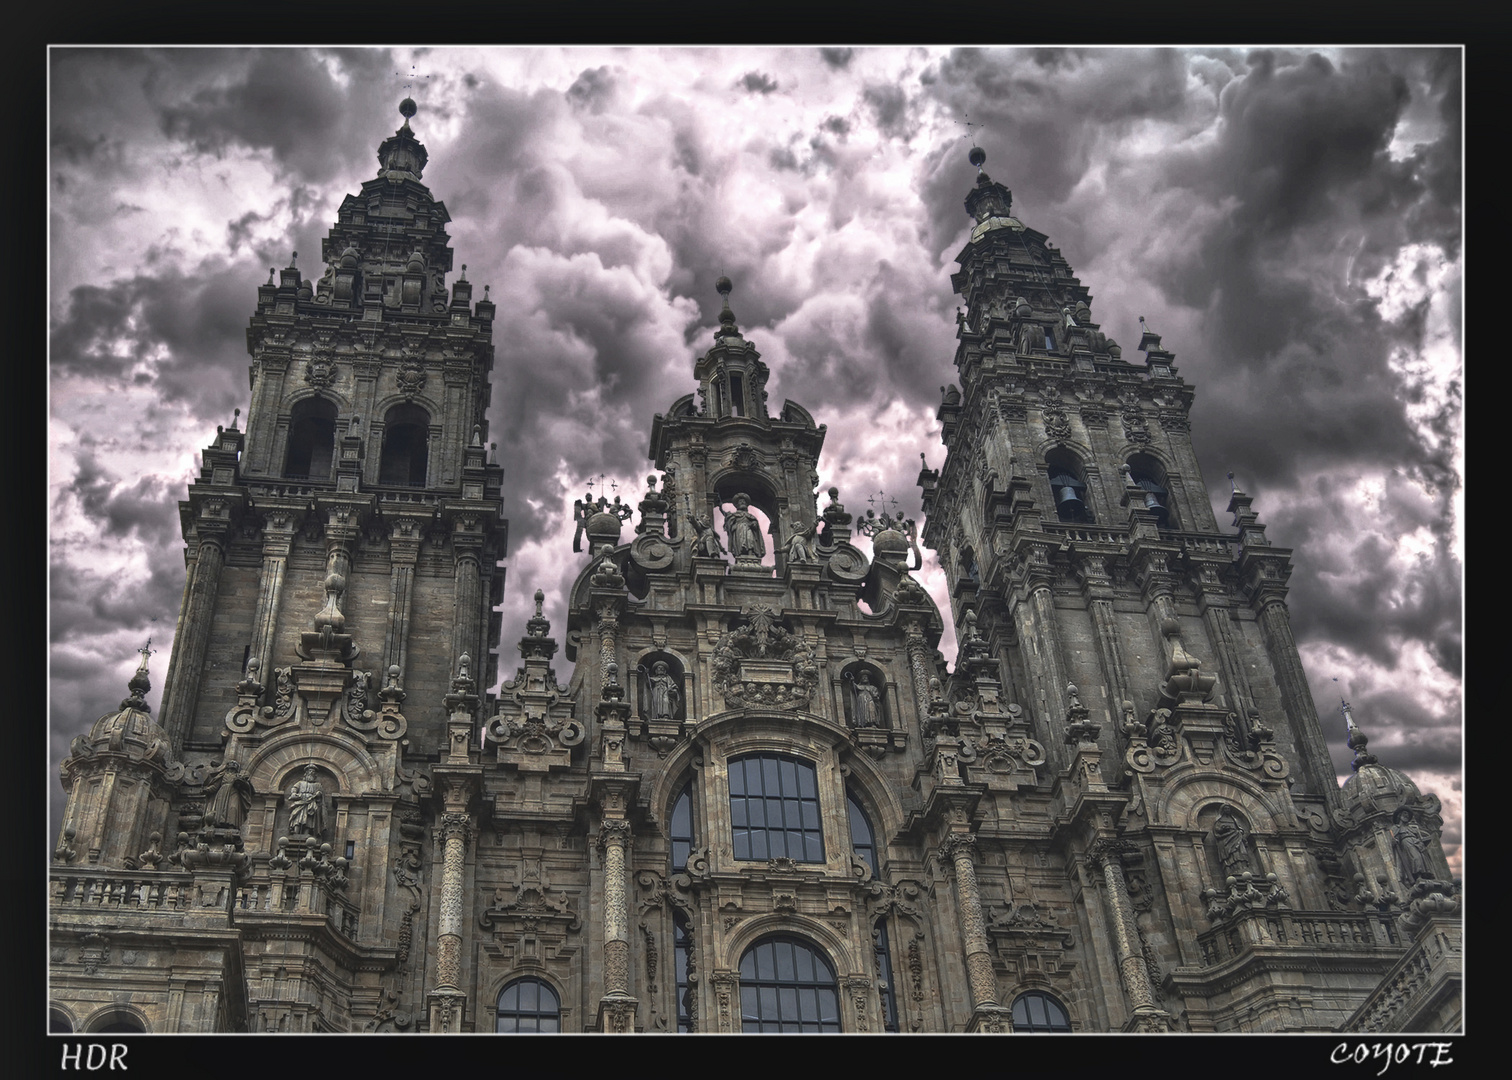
863,841
774,809
406,439
528,1005
1037,1011
312,440
117,1023
680,830
787,985
58,1022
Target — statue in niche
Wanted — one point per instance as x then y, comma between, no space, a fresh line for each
1232,839
306,801
866,703
744,531
1409,843
799,549
662,694
706,542
228,796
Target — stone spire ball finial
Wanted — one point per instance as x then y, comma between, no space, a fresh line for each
408,108
977,157
726,317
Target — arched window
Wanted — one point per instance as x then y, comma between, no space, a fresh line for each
528,1005
863,841
406,437
58,1022
787,985
1068,486
117,1023
1147,473
312,440
1037,1011
680,830
774,809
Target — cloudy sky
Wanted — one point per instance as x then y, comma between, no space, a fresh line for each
1288,220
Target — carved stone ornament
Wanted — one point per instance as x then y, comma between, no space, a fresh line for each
1136,428
320,372
761,664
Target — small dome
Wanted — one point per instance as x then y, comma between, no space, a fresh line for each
1377,788
349,258
416,263
130,730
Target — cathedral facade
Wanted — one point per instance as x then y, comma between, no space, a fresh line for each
757,798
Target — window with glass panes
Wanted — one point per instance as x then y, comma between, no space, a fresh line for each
774,809
1038,1011
787,985
528,1005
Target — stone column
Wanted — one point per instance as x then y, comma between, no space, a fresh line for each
447,1001
959,849
467,626
404,554
919,666
181,690
617,1009
1281,647
278,536
608,626
1146,1015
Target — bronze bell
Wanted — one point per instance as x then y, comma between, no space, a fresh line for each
1067,496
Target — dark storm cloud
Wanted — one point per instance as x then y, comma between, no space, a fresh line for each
757,82
593,89
889,108
290,103
838,58
107,331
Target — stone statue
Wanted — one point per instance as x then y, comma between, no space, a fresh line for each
1231,836
866,708
1409,843
744,531
798,547
306,800
706,542
662,692
228,796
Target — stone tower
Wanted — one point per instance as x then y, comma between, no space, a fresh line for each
342,560
760,799
1186,806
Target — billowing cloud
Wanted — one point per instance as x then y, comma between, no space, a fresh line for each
1288,220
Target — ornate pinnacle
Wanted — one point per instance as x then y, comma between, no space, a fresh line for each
140,683
1356,740
726,317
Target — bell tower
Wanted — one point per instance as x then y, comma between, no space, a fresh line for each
342,556
363,465
1150,650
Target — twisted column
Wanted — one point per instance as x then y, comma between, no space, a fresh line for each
608,626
